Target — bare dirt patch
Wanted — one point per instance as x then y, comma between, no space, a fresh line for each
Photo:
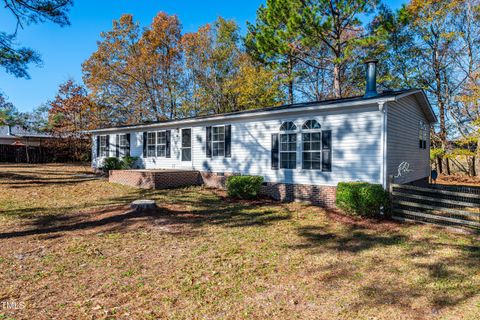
461,180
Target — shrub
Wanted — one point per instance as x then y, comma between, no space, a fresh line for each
113,163
244,187
361,198
129,162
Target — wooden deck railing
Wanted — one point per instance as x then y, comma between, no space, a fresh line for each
435,205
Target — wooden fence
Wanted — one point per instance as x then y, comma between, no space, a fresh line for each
444,205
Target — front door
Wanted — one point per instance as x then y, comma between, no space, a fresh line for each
186,149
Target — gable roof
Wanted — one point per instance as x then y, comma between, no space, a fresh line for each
385,96
20,132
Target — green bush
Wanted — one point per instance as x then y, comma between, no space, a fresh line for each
362,199
113,163
129,162
244,187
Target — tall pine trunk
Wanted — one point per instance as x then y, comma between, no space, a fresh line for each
337,92
290,80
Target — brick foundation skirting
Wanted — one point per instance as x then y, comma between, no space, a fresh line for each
155,179
323,196
215,180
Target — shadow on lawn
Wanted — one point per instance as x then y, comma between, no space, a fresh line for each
353,239
184,211
30,179
444,280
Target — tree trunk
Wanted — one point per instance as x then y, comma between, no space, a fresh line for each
337,92
471,166
26,151
290,80
290,91
443,133
477,156
439,165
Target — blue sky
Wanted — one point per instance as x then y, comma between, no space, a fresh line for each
64,49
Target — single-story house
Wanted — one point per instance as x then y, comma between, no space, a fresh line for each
18,135
302,150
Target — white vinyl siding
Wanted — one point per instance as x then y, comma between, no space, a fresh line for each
403,135
356,153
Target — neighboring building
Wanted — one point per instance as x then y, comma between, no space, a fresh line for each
302,150
18,144
19,136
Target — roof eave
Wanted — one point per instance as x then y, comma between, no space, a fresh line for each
248,115
421,93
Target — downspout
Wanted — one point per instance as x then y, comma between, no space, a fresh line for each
383,108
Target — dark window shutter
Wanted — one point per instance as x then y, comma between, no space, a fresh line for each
274,151
167,144
98,146
108,146
144,144
208,142
327,150
128,145
228,141
117,147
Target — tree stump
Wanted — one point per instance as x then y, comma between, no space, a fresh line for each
141,205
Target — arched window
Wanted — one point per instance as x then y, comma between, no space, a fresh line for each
311,125
288,146
316,145
312,146
288,126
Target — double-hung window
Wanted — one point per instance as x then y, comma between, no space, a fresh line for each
103,150
123,145
161,144
151,137
312,145
218,141
422,135
157,144
317,147
288,146
312,150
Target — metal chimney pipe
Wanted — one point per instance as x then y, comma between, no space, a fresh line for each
9,130
371,78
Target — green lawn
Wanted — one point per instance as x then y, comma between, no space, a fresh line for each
71,249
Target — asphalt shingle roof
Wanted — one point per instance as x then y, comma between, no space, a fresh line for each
384,94
19,131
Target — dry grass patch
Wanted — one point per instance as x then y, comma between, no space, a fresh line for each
72,249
